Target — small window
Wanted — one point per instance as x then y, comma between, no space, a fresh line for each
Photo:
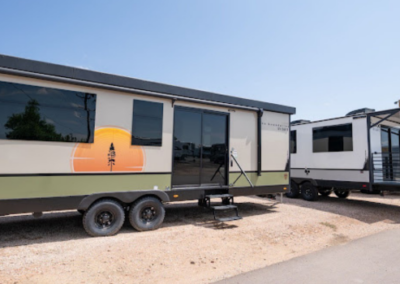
147,123
337,138
46,114
293,142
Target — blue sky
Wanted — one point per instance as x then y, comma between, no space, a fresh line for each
326,58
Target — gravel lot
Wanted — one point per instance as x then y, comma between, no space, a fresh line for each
190,247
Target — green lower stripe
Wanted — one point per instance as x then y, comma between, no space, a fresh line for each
53,186
57,186
266,178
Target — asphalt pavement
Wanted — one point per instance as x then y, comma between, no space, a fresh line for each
373,259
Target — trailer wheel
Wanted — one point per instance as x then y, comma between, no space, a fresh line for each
146,214
325,191
293,190
104,218
309,192
342,193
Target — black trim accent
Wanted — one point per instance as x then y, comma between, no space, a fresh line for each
289,162
19,206
371,160
258,190
194,194
334,183
60,72
324,169
385,187
259,141
125,197
85,174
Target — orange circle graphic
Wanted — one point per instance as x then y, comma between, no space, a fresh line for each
111,152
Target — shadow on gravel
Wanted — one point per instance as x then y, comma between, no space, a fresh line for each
365,210
190,213
21,230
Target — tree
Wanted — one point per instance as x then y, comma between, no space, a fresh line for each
30,126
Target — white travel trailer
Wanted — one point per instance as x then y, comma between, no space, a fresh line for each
359,151
108,145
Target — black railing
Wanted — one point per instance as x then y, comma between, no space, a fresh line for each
386,166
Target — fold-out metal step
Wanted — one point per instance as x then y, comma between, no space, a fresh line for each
226,195
227,204
224,207
229,219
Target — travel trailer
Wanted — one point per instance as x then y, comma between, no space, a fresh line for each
111,146
359,151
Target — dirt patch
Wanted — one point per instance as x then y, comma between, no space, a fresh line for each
190,247
339,239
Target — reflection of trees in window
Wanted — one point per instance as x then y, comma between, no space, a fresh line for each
46,114
30,126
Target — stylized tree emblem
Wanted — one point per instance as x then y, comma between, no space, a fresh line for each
111,156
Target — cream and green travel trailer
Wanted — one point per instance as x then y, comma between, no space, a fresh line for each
111,146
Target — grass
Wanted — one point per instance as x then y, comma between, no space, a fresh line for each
329,225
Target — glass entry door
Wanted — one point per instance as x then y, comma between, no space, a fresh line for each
200,148
390,153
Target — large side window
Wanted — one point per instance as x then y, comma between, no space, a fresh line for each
147,123
293,142
336,138
46,114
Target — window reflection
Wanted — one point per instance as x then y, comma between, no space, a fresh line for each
200,148
147,123
293,142
187,145
46,114
335,138
214,149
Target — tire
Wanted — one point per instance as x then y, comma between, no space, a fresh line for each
104,218
146,214
325,191
293,190
309,192
342,193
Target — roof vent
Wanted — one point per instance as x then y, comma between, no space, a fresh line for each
360,111
300,121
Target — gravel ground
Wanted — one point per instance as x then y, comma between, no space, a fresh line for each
190,247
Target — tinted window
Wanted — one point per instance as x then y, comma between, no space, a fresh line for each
46,114
335,138
187,147
214,154
293,142
147,123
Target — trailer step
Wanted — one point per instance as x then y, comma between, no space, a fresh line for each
229,219
224,207
227,204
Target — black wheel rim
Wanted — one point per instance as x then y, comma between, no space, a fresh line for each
104,219
148,214
308,192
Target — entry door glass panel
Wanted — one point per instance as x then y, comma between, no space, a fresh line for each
387,172
395,155
214,149
187,145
